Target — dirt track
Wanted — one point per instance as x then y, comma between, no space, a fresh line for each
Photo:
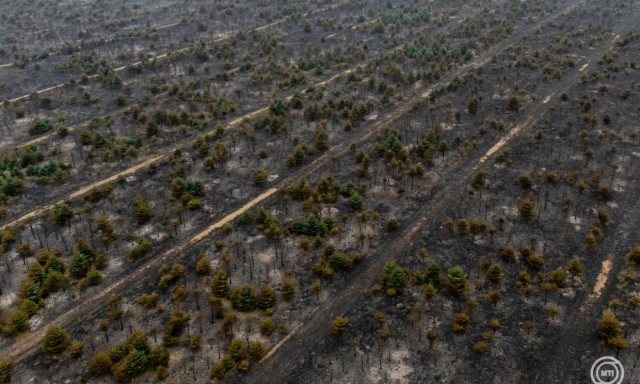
82,191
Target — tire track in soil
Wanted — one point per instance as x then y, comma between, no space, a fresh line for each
28,343
317,322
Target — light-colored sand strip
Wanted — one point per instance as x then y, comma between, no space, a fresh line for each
40,92
166,26
267,26
283,341
601,281
497,146
82,191
230,217
37,140
131,170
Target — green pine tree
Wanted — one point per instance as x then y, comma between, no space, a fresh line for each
457,283
219,285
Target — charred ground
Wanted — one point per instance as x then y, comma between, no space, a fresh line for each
310,191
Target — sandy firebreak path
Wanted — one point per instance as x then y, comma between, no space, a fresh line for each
83,191
280,360
24,345
601,282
